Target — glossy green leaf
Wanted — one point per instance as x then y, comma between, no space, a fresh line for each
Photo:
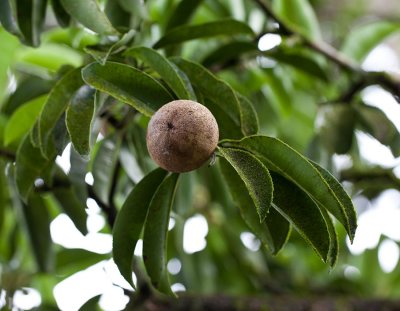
128,85
273,240
168,71
79,118
30,18
156,234
69,260
117,16
360,41
72,206
182,13
104,165
227,27
23,119
279,157
254,175
375,122
336,123
8,18
63,18
211,86
130,221
37,220
30,165
300,15
228,52
56,104
89,14
130,163
302,212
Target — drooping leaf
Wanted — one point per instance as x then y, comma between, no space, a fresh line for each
216,89
23,119
30,18
128,85
117,16
37,220
69,260
56,105
279,157
30,165
130,221
300,15
8,18
130,163
104,165
273,240
375,122
77,174
182,13
301,211
168,71
336,124
79,119
227,27
229,51
89,14
254,175
63,18
155,234
72,206
360,41
248,116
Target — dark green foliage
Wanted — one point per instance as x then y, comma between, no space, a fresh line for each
140,55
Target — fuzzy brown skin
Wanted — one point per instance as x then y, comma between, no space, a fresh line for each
182,135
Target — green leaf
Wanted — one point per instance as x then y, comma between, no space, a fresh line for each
130,221
70,260
56,104
255,176
72,206
30,165
101,53
23,119
360,41
335,125
298,60
30,17
279,157
128,85
168,71
8,18
301,211
212,87
182,13
130,163
156,233
104,165
272,233
229,51
79,119
118,17
248,116
300,15
89,14
61,15
340,194
375,122
37,221
226,27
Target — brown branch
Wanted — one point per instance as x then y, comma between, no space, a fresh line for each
7,154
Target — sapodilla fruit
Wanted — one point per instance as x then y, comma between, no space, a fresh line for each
182,135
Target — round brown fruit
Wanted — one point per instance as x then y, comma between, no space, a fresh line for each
182,135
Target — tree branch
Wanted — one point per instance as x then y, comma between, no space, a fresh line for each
384,79
7,154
